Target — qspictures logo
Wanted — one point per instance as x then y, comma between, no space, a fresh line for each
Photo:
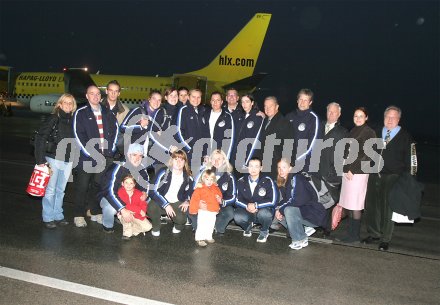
231,61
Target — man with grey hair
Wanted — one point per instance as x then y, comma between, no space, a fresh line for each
331,130
396,156
273,134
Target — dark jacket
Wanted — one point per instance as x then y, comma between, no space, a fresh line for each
237,109
57,128
120,111
224,126
397,153
162,185
327,160
248,129
405,196
163,131
298,192
112,178
361,134
131,124
85,128
278,127
190,125
304,125
265,194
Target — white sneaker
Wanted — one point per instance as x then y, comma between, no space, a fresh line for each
97,218
262,238
248,232
79,222
296,245
309,230
175,231
155,233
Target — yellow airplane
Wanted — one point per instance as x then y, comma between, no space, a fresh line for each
232,67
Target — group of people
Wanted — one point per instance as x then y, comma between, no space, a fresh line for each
209,165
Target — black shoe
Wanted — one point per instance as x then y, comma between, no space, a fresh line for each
50,225
326,233
125,237
62,222
107,230
370,240
383,246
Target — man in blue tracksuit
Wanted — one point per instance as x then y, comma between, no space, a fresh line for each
220,125
256,199
137,123
191,127
95,129
305,126
111,182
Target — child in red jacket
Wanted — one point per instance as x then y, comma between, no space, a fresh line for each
205,202
134,203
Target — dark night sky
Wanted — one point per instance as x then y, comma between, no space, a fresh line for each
359,53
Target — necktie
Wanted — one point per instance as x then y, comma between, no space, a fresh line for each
327,128
267,124
388,137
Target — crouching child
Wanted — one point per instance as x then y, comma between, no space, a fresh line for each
138,207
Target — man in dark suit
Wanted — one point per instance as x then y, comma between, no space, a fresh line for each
273,136
332,131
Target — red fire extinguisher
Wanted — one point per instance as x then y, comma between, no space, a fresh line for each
39,180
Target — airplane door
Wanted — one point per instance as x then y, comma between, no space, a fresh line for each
191,82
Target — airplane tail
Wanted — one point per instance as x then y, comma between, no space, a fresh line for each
239,58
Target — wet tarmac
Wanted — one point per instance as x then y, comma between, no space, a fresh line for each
72,265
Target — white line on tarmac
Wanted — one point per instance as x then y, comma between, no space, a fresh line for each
94,292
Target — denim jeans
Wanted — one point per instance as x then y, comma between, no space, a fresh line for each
224,217
243,218
294,222
108,213
53,199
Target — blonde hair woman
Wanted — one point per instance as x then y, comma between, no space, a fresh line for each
58,127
